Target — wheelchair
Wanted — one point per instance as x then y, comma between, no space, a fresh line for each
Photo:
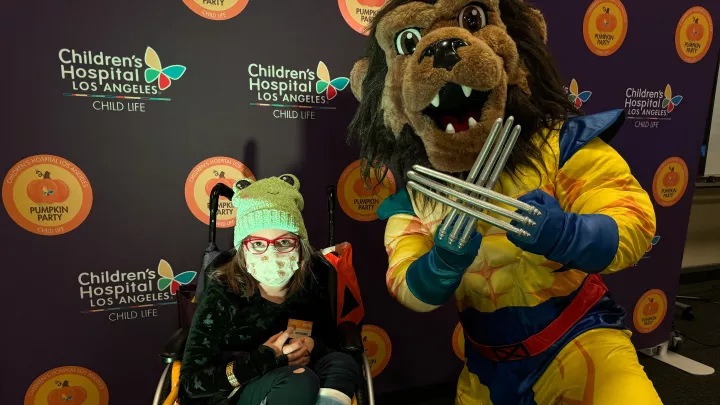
344,296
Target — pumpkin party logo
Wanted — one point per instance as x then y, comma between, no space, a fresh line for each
670,181
360,199
650,311
378,348
458,341
203,177
67,386
359,13
47,195
605,26
694,35
217,10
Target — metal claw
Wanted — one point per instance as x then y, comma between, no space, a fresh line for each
493,161
494,177
480,216
474,171
469,200
490,194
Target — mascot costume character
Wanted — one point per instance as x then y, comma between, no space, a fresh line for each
515,204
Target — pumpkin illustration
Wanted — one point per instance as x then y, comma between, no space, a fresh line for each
362,189
219,179
67,395
671,178
371,3
606,22
47,190
651,308
371,347
695,31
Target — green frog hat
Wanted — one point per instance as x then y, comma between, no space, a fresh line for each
274,202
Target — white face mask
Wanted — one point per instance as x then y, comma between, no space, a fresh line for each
272,268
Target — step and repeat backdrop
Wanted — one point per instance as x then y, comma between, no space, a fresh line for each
119,118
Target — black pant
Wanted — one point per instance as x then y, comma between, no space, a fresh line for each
285,386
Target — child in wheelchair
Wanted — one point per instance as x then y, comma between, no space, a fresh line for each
263,332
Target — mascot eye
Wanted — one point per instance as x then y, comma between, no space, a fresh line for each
406,41
473,18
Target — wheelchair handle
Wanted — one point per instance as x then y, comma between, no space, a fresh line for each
220,190
331,214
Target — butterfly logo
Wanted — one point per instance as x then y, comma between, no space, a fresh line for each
155,70
671,102
654,242
577,97
330,87
169,279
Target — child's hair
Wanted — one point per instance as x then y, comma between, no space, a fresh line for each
234,273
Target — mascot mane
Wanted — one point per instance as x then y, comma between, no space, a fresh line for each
547,105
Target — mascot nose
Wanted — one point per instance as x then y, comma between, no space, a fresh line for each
444,52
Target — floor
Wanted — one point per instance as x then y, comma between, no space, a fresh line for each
675,387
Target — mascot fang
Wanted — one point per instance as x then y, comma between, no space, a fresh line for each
516,221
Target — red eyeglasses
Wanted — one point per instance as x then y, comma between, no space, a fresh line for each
283,244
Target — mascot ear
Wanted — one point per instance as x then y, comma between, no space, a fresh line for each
357,76
540,25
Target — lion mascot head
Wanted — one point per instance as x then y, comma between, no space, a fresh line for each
438,73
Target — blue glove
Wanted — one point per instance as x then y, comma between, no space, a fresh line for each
435,276
586,242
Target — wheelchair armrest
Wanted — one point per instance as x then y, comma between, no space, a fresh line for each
350,338
175,345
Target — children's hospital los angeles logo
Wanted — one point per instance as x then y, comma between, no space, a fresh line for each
576,96
47,195
649,107
131,295
117,82
291,93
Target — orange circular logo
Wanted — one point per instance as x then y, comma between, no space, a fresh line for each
694,35
360,199
670,182
605,26
201,181
458,342
377,348
47,195
67,386
359,13
217,9
650,311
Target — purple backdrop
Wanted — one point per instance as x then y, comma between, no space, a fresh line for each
138,162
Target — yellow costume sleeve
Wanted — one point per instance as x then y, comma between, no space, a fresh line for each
406,240
597,180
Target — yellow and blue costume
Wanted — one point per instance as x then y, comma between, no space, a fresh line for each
540,327
539,331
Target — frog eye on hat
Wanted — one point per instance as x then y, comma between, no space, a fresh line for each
291,180
242,184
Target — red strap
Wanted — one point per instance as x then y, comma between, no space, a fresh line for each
590,294
346,278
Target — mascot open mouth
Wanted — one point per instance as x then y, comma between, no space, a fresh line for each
456,108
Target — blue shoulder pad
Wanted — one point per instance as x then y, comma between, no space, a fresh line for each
398,203
579,131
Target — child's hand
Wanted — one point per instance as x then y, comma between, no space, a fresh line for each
277,342
301,355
